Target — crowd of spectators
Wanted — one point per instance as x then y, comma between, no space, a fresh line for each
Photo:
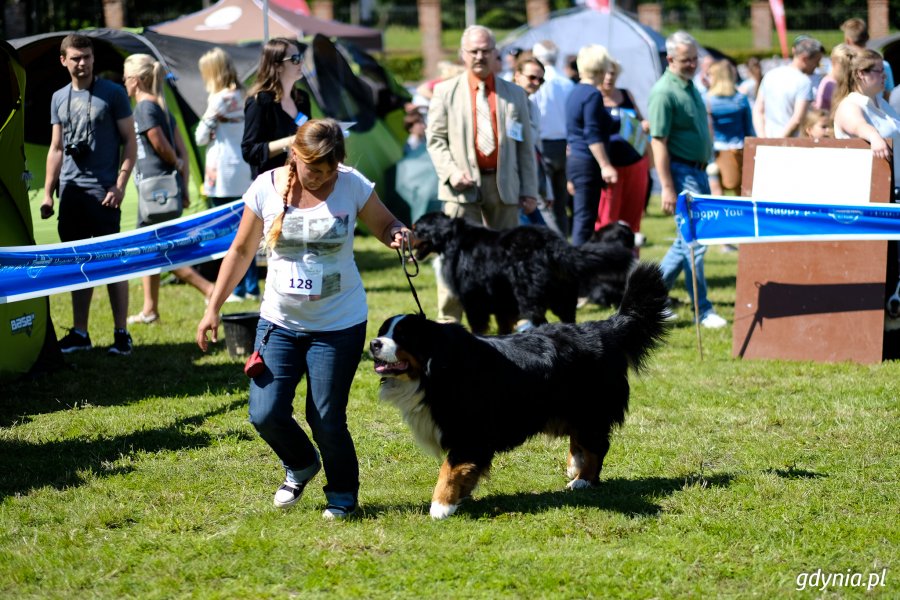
565,147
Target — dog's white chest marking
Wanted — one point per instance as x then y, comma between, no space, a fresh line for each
407,397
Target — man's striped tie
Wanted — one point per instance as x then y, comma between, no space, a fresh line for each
484,128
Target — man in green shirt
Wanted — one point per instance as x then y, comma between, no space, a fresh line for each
682,145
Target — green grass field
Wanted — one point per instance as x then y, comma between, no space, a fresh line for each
140,477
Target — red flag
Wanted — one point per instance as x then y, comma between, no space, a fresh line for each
299,6
780,24
602,5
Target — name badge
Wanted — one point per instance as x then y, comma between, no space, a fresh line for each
300,119
297,278
514,131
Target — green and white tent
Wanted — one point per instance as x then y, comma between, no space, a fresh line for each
23,325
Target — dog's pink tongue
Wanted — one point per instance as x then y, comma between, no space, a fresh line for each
390,367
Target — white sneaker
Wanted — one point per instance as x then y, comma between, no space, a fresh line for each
234,298
713,321
336,513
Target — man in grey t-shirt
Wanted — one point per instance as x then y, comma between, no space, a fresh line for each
786,92
92,122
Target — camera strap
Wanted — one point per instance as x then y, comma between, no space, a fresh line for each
69,113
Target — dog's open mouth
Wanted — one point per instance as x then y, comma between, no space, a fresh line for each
391,368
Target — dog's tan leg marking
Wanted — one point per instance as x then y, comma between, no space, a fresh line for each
583,467
573,461
455,482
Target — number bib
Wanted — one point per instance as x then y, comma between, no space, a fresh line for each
297,278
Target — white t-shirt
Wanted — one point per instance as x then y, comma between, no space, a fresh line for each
550,99
780,89
312,282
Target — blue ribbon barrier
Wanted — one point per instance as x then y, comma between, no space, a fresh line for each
710,220
34,271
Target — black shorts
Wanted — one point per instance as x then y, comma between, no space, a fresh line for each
82,216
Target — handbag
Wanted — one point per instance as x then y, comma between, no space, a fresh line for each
159,197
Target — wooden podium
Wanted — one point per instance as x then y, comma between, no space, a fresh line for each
821,301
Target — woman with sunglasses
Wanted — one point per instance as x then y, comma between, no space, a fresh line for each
861,110
313,314
274,107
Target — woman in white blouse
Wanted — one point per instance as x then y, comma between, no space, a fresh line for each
221,130
861,109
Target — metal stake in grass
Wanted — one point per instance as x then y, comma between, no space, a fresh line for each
690,244
696,307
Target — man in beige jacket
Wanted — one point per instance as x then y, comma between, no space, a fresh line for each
480,141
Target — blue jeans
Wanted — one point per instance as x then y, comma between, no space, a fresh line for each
678,257
250,283
329,360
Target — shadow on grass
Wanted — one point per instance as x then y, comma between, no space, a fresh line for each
25,466
795,473
95,378
627,496
721,281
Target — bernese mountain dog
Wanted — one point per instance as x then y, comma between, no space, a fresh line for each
517,273
468,397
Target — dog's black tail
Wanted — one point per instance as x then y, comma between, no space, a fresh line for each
641,320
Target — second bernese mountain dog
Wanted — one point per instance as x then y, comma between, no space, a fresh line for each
468,397
517,273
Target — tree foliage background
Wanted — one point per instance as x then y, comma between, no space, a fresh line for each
39,16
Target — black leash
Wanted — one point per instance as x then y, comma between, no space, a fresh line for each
406,257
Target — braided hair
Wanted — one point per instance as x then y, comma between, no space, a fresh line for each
317,140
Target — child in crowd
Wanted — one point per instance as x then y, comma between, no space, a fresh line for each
817,124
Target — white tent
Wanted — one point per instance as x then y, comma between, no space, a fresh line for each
636,47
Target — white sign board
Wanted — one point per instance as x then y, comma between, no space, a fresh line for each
822,175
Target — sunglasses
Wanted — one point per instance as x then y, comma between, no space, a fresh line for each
294,58
535,78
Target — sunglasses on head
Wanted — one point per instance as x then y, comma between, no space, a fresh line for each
294,58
